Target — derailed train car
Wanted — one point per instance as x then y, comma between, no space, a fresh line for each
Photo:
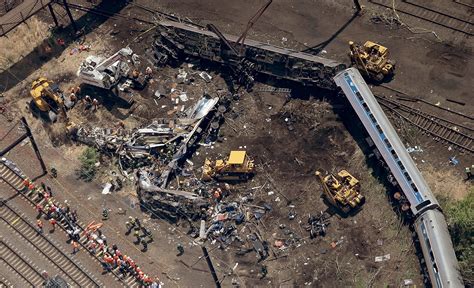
178,40
429,222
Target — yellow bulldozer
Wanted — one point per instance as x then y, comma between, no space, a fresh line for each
372,60
237,167
342,191
48,100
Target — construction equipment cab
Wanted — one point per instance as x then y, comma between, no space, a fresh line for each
237,167
372,60
341,190
105,73
48,100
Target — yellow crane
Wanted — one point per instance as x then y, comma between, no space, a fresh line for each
48,99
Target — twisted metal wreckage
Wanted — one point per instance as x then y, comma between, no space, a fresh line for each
157,151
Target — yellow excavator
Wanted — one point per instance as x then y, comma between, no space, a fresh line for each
48,100
341,190
237,167
372,60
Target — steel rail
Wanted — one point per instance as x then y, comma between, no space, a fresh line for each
16,261
105,13
40,243
417,99
430,15
409,109
63,220
430,124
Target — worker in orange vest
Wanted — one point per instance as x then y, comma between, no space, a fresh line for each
53,223
26,183
75,247
39,223
39,208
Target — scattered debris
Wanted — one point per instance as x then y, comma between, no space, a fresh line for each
382,258
317,224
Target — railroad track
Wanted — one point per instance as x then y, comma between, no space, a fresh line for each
441,129
20,265
73,272
105,13
4,282
14,179
421,11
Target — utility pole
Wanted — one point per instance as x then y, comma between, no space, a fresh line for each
70,15
357,6
27,134
54,15
211,267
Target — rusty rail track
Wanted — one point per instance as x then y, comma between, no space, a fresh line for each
409,7
20,265
20,225
441,129
15,181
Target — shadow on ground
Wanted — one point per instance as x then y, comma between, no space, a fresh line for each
50,49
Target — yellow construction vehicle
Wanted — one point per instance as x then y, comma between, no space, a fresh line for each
237,167
341,190
48,100
372,60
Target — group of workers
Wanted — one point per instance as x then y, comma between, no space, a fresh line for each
141,233
88,102
111,258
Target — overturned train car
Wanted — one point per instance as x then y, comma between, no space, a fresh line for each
429,222
179,40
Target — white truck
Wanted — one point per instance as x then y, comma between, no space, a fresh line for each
105,73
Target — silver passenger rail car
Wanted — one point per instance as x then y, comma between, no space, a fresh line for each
436,246
387,141
430,224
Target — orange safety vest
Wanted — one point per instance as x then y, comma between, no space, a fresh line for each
26,183
31,186
108,259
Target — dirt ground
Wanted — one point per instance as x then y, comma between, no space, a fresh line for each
323,136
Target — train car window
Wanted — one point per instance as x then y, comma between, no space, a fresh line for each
378,128
394,153
371,116
366,107
413,186
387,143
401,165
359,96
407,176
421,205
